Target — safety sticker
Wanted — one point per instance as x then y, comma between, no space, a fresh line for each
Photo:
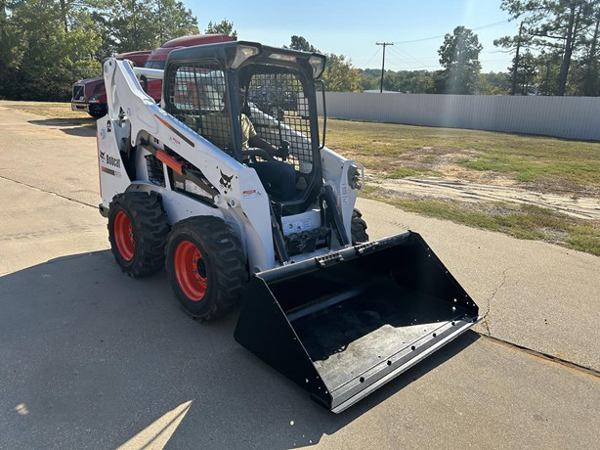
252,193
112,172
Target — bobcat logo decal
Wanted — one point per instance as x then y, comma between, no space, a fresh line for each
225,180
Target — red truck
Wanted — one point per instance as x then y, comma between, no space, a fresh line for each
90,95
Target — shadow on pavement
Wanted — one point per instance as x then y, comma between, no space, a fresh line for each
83,127
92,358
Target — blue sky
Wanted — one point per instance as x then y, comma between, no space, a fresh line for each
351,27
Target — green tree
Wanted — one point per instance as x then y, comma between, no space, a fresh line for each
548,71
46,45
493,83
516,45
222,27
51,59
134,25
10,52
174,20
103,27
438,82
300,43
554,25
459,55
70,9
591,64
523,73
340,76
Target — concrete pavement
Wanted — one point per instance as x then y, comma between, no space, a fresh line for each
537,295
90,358
95,358
36,226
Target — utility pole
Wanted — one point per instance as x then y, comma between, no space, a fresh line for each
385,44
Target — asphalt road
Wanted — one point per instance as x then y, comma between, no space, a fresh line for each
90,358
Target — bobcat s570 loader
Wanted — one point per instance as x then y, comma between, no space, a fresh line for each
228,185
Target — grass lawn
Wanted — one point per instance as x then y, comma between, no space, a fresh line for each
50,110
538,163
520,221
59,114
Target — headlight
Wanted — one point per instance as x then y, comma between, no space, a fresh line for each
94,99
243,52
318,65
281,57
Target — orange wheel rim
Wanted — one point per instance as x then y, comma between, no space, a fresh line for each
190,270
124,238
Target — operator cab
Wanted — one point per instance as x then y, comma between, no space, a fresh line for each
211,88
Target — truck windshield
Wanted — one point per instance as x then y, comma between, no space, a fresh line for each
155,65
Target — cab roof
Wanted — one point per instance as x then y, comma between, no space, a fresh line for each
226,53
197,39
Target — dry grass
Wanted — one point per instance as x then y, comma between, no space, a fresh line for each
520,221
49,109
541,164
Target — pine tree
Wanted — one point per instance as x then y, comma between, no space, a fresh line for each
459,55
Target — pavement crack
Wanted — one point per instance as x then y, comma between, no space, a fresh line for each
551,358
49,192
486,320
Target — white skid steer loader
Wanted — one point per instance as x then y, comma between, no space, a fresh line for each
229,186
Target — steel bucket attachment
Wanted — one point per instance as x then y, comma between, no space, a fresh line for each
345,324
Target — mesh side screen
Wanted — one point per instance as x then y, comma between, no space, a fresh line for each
280,112
197,97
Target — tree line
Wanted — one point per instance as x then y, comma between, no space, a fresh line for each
555,52
556,49
46,45
339,74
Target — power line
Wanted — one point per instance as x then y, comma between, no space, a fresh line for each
406,56
374,55
439,67
423,58
489,25
384,44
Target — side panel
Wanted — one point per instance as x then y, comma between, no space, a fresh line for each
335,173
177,206
113,177
254,215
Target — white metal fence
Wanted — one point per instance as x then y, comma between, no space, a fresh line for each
566,117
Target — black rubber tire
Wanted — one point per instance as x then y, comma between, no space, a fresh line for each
224,265
150,229
359,228
97,111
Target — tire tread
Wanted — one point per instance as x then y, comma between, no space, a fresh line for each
151,228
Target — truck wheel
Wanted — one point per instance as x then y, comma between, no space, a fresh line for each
137,230
97,111
206,266
359,228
